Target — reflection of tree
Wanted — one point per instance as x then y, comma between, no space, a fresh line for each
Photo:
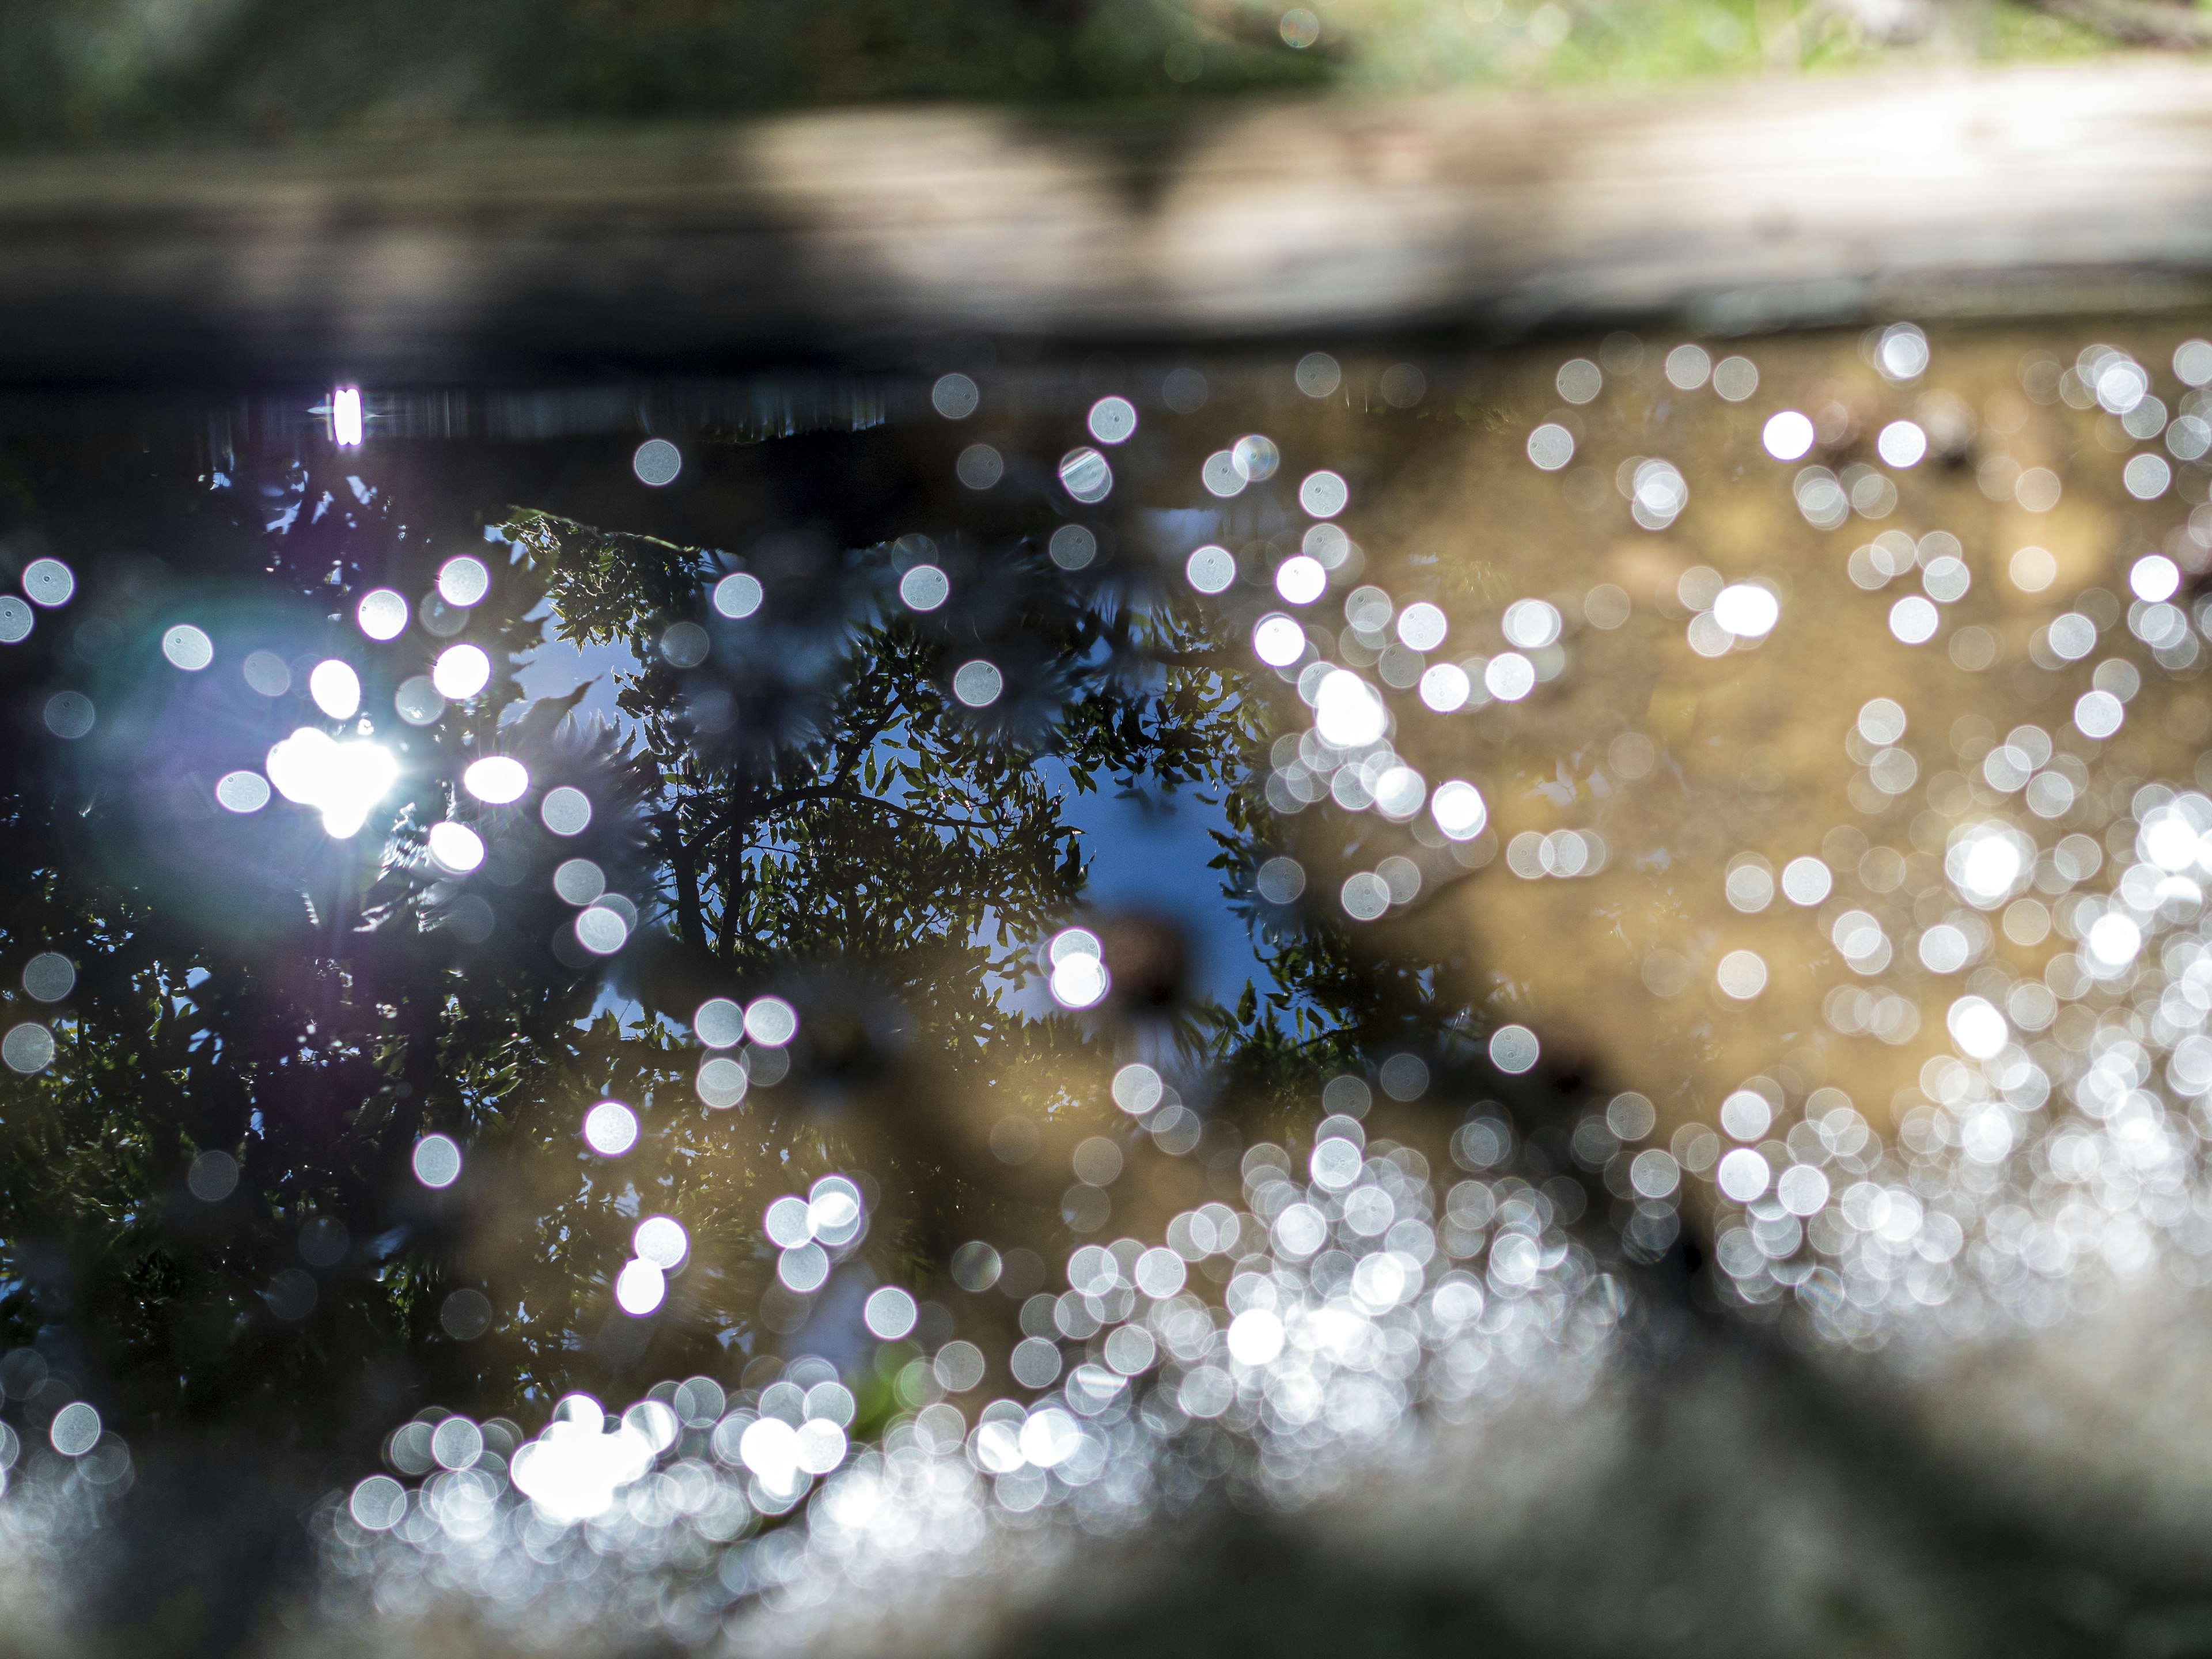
807,809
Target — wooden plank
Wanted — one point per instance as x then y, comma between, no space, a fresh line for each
1741,208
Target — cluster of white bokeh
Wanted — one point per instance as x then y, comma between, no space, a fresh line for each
1350,1300
2058,1148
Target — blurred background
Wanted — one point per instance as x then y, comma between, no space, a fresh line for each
979,1075
246,69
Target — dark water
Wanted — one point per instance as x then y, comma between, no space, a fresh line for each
815,1013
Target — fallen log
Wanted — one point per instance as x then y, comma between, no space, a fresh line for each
1739,209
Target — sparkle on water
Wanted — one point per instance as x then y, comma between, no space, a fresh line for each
1896,835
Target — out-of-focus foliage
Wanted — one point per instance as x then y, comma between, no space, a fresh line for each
88,70
111,69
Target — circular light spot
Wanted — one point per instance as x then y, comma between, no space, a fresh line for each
1579,380
610,1128
1914,620
1902,444
657,462
2099,713
1742,1175
1806,881
719,1023
1112,420
1749,884
188,647
378,1504
14,620
978,683
979,466
455,847
602,930
1348,712
1551,446
2072,635
566,810
1323,494
1073,942
49,976
1735,379
890,1313
771,1022
1509,677
2037,490
1317,374
1654,1173
382,614
1741,974
955,397
1073,547
28,1047
1086,477
496,779
1211,569
241,791
738,595
640,1288
1688,367
1256,457
1943,949
461,672
958,1367
661,1240
75,1428
1947,579
1532,624
417,701
1902,353
437,1161
1446,687
1364,896
1787,436
1745,1115
2115,939
1978,1028
213,1176
1080,981
70,714
1422,626
1136,1087
2154,578
1220,475
48,582
1255,1337
1299,28
335,688
1459,810
1747,610
1802,1190
1514,1049
925,588
2147,477
1301,580
1403,386
464,581
684,645
1278,641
